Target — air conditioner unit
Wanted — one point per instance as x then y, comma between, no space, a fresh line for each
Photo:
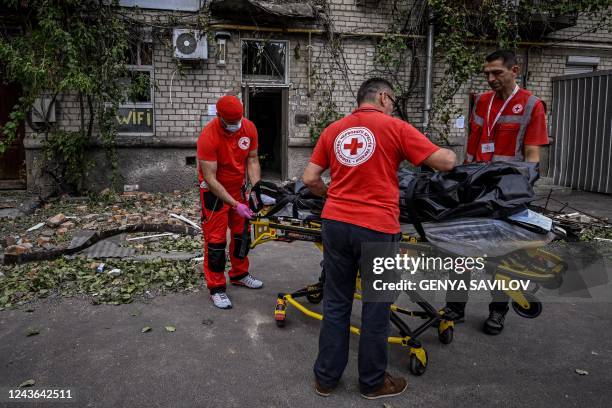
189,44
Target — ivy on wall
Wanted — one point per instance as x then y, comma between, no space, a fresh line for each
465,29
79,48
75,47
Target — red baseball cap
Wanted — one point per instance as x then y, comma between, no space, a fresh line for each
229,108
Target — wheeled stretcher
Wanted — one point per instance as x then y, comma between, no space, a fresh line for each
541,267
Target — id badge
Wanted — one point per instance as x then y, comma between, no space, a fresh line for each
488,147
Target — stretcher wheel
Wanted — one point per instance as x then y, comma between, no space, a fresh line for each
417,367
534,310
280,312
446,336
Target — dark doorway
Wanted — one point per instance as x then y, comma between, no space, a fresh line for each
12,161
265,107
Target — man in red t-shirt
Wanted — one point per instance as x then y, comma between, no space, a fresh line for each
507,124
227,151
363,152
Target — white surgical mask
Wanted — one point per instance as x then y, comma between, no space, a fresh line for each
233,128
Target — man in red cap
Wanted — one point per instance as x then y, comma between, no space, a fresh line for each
227,152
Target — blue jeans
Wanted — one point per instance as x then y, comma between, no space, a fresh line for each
341,258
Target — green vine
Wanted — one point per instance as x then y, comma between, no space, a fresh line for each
326,113
464,31
65,48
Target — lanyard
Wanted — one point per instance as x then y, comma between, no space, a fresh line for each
490,126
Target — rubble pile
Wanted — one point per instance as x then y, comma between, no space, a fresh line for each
53,226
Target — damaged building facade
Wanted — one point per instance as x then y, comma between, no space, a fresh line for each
294,65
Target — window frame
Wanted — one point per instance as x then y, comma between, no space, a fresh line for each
142,68
272,82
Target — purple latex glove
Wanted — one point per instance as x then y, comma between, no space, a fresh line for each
244,211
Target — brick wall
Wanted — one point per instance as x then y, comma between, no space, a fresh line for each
181,97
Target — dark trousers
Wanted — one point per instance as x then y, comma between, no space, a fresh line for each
457,299
341,258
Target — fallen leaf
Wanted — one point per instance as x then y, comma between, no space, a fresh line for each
581,372
146,329
33,332
27,383
207,322
170,329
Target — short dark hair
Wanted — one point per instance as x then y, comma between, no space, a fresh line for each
371,87
508,57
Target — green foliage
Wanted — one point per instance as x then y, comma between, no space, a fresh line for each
325,114
390,52
68,47
65,153
140,86
463,32
78,277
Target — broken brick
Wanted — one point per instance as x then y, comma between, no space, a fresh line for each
42,240
16,250
56,221
68,225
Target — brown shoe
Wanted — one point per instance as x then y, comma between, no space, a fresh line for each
322,390
391,386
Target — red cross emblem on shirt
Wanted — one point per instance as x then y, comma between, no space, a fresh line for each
354,145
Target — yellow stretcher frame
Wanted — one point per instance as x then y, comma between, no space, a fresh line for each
549,274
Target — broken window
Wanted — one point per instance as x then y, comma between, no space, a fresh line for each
264,61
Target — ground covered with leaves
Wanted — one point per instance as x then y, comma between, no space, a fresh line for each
133,280
21,284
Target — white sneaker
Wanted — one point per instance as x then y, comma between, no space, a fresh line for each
249,281
221,300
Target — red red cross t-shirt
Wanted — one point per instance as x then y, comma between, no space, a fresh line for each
363,152
229,150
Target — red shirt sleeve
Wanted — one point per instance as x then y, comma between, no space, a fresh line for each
536,133
320,154
473,142
207,146
416,147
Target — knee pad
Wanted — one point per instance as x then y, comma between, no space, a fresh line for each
216,256
239,242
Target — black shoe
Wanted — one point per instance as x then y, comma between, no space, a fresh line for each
448,313
495,323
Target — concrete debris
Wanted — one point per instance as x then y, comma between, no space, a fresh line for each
16,250
68,225
114,272
185,220
56,221
35,227
165,234
42,240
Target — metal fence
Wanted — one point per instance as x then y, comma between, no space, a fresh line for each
581,156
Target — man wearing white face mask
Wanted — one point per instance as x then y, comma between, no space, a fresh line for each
227,151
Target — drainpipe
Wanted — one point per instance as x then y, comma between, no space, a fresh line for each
428,72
